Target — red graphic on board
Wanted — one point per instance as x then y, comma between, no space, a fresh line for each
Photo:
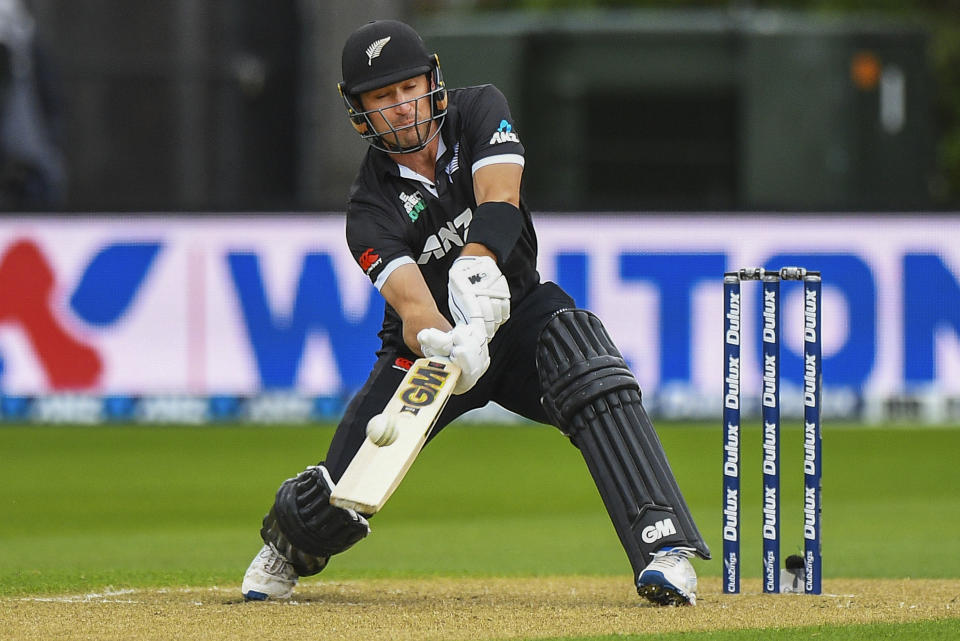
26,290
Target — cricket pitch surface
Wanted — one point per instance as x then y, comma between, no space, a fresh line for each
468,608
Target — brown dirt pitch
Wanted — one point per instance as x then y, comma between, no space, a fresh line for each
455,609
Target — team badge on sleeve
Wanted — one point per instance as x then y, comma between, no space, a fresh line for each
504,133
368,260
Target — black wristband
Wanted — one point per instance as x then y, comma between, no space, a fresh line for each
496,226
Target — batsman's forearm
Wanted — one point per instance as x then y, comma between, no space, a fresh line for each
476,249
407,292
417,322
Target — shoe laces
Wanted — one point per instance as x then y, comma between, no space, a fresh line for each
274,563
672,556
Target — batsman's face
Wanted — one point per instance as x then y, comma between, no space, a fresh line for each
400,112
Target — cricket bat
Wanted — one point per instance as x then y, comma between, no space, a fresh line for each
376,471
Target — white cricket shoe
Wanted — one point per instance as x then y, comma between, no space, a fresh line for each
670,578
270,576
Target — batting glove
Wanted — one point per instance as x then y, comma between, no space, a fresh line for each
478,293
465,346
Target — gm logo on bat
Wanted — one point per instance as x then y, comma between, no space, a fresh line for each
424,385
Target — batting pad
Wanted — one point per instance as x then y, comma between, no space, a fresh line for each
590,393
305,528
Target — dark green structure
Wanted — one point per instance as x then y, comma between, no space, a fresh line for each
706,110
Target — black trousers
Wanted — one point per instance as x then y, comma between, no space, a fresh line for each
511,380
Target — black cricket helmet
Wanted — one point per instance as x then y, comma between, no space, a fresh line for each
381,53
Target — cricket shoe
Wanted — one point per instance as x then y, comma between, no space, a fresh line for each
670,578
270,576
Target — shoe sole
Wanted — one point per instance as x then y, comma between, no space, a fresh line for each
662,595
253,595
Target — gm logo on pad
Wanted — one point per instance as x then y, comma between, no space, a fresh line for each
658,530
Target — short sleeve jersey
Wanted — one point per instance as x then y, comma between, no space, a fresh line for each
394,218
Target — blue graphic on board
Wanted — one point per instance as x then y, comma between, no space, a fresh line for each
111,281
278,337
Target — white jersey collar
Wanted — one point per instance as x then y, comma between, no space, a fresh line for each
406,172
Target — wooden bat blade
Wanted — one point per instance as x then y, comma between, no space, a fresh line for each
375,472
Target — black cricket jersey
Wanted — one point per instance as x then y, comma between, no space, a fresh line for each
394,218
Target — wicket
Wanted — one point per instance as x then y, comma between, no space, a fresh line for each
770,400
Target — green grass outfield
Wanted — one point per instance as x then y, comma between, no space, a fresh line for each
131,506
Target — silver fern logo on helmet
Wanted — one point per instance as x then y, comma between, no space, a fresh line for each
373,51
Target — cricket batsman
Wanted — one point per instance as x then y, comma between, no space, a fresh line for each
436,220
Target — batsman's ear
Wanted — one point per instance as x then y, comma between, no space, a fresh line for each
356,119
439,98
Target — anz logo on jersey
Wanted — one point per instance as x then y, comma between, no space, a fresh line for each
438,244
504,133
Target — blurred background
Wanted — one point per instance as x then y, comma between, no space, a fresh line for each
147,105
174,174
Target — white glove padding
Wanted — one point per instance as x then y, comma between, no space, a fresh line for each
478,293
465,346
435,342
